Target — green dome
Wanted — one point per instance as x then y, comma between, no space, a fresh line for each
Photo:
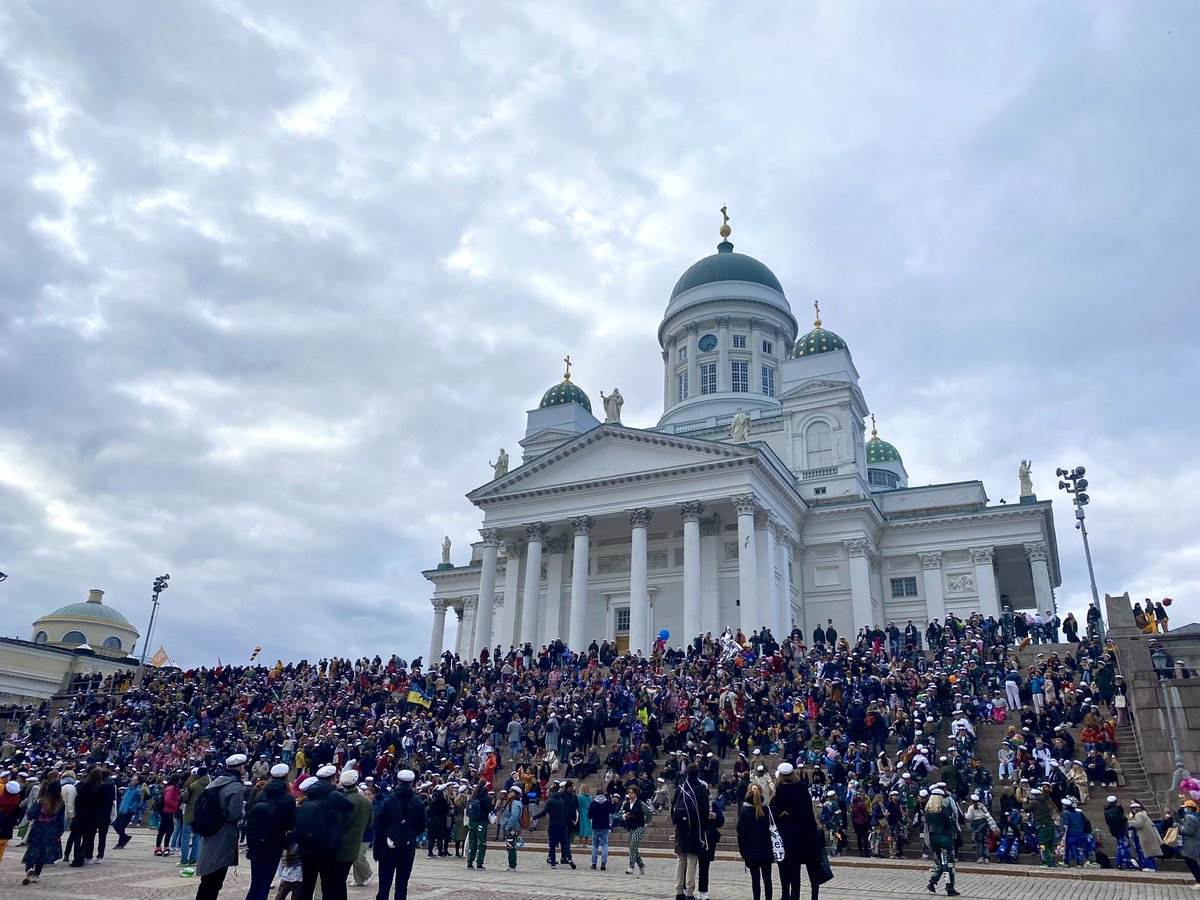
819,340
880,451
566,392
725,265
89,610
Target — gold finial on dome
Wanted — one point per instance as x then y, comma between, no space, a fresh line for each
567,374
817,307
725,229
874,433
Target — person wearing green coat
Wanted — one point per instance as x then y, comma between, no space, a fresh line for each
354,825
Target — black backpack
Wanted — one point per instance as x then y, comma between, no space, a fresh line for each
400,829
209,817
1087,824
318,828
261,822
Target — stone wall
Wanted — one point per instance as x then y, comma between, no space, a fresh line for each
1149,699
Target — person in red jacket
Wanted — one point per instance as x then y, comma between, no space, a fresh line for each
168,805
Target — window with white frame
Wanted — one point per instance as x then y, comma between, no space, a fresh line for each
768,380
818,446
904,587
622,621
682,352
739,342
683,386
708,378
741,377
768,348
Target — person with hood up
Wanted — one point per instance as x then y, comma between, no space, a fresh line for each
599,817
401,819
270,817
220,851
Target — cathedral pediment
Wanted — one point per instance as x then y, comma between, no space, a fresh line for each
613,453
814,386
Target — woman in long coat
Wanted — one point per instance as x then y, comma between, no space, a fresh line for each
754,841
1149,841
44,844
792,808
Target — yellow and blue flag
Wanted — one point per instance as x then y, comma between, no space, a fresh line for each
417,695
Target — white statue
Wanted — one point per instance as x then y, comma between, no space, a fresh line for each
1026,481
500,466
446,549
612,406
739,428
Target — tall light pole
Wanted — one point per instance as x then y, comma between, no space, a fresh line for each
1073,482
160,585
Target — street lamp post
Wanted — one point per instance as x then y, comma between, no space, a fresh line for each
1073,482
160,585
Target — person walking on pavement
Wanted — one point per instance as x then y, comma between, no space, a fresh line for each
401,820
690,812
943,829
270,817
558,812
219,851
510,824
600,817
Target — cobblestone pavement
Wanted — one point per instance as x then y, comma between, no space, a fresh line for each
135,874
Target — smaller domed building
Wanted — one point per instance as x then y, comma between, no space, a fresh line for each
76,639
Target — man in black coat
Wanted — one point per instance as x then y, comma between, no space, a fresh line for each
690,814
270,818
401,820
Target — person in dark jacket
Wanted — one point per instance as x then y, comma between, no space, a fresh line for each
599,814
793,812
88,803
1118,827
479,807
558,813
690,813
754,842
323,864
439,823
401,820
716,821
270,818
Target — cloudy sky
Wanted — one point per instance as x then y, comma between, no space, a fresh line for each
277,279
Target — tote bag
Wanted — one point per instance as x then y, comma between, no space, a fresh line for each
777,851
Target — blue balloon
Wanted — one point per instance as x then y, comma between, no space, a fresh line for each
664,635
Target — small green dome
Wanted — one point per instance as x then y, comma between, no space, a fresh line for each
819,340
565,392
880,451
90,610
725,265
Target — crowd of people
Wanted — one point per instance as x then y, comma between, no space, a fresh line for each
787,749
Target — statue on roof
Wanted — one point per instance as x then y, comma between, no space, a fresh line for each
446,549
1026,480
500,466
612,406
739,428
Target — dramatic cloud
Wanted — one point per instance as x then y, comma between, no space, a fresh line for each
277,279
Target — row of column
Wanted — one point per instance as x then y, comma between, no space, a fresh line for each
763,544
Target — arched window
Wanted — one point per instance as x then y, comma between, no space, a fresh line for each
74,637
111,643
41,637
818,446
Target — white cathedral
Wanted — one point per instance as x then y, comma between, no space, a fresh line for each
757,501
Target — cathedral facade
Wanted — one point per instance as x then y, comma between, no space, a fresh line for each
758,500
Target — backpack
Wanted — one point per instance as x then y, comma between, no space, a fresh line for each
474,809
260,822
526,815
679,813
209,817
318,828
400,831
159,803
1087,824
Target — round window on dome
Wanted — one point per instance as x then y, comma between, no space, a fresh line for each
74,637
41,637
111,643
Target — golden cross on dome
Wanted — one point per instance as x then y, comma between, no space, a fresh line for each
817,307
567,374
725,229
874,433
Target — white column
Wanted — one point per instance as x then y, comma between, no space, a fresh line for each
576,633
756,356
745,505
724,373
777,551
860,585
439,633
485,615
791,550
690,512
551,625
470,608
531,601
985,580
693,363
460,614
935,595
506,627
710,585
639,595
764,563
1043,592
